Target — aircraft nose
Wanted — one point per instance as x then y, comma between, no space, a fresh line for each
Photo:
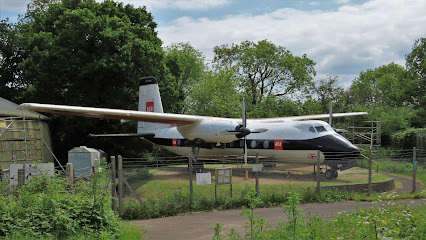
341,144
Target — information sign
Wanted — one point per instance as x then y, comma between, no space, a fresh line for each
223,176
204,178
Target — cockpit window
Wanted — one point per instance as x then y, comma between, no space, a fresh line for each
320,129
312,129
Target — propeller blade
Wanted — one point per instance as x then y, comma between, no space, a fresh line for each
245,151
340,130
230,132
244,113
258,130
330,119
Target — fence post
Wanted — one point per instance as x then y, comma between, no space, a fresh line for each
191,189
21,177
113,181
120,186
414,170
70,172
318,170
369,172
256,174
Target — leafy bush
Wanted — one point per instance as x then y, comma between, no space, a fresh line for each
180,203
52,207
412,137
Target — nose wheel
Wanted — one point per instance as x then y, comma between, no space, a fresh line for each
331,173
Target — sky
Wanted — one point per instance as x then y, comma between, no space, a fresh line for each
343,37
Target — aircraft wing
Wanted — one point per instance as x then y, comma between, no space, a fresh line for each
309,117
167,118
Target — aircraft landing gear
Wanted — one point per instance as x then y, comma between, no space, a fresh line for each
196,165
331,173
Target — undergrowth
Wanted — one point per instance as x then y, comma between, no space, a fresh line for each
380,222
50,207
179,203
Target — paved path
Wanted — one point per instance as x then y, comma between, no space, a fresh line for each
407,184
198,226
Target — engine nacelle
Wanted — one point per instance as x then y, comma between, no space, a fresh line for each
210,132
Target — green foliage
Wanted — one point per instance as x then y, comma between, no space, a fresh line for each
85,53
410,137
178,202
380,222
293,211
416,65
186,65
129,231
264,69
51,207
215,95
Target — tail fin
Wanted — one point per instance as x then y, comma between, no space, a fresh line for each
149,101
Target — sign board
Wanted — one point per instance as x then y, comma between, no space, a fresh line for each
257,167
3,124
415,165
29,169
223,176
204,178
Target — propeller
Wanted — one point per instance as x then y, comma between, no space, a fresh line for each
241,131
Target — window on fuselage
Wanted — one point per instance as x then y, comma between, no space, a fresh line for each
320,129
312,129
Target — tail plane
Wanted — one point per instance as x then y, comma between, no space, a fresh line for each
149,101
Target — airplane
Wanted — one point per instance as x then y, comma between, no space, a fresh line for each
293,139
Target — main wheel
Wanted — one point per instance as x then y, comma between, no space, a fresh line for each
329,174
335,173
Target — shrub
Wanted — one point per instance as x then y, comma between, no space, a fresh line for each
52,207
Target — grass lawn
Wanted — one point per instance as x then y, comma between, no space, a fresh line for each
167,183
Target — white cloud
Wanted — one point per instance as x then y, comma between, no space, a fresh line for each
14,5
343,1
179,4
314,4
342,42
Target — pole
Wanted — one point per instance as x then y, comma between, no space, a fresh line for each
70,172
113,181
318,171
414,170
191,188
369,172
120,186
256,174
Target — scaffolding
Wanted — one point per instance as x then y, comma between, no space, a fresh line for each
21,140
366,133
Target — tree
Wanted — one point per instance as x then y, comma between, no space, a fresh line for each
186,66
11,82
387,85
416,65
327,91
81,52
265,69
215,95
